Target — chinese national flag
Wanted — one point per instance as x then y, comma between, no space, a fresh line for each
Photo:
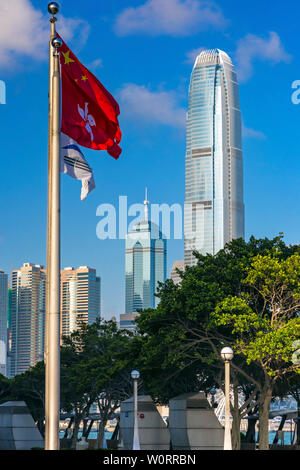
89,112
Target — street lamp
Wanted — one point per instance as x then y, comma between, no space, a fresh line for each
227,356
135,375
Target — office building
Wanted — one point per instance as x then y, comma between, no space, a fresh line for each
214,207
145,264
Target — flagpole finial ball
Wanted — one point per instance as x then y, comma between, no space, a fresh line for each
53,8
56,43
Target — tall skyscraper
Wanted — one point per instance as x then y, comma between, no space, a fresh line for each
145,264
27,317
3,321
214,208
80,298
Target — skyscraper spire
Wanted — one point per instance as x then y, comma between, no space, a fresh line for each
146,204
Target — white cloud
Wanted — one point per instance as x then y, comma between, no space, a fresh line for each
24,32
96,64
192,55
253,133
162,107
171,17
75,29
251,48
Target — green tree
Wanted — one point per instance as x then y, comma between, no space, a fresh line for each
76,393
294,391
182,334
265,323
30,387
5,388
94,368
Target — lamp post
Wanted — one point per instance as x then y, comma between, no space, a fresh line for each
135,375
227,356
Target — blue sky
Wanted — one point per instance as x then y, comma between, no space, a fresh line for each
142,51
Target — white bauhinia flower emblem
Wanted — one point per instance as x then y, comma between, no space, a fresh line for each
88,119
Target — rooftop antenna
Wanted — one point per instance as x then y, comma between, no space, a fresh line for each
146,204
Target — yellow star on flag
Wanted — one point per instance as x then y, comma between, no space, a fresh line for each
67,58
84,78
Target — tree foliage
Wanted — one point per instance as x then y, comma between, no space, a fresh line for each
30,387
246,296
94,368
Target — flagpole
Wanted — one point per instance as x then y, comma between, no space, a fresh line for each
52,341
51,52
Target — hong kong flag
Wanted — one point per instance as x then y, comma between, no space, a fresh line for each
89,112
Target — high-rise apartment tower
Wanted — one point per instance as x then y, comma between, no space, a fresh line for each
3,322
80,298
27,317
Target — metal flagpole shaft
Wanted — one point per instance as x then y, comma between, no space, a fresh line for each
52,389
53,272
51,52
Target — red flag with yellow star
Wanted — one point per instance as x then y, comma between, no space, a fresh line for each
89,111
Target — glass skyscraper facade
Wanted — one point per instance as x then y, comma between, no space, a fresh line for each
146,256
214,207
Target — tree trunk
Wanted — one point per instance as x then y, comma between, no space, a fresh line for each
85,427
235,431
77,422
264,410
236,417
250,435
100,437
